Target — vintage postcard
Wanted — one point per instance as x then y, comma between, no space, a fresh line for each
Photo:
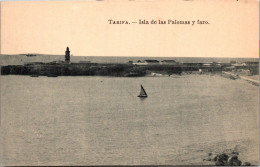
129,82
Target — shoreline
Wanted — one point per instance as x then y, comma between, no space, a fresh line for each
237,76
159,75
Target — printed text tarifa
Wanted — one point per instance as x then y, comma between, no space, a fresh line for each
111,21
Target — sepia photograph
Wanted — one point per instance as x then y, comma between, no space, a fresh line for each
129,83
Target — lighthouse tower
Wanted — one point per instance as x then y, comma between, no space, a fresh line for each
67,55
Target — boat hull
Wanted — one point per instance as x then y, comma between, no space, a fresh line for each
142,96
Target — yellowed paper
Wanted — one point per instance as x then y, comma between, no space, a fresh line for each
196,62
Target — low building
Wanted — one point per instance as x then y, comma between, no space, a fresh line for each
147,62
207,64
248,63
169,62
151,61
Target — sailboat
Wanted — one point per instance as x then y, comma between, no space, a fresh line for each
142,92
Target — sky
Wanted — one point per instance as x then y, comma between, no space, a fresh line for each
48,27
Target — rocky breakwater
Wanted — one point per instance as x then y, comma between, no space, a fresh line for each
226,159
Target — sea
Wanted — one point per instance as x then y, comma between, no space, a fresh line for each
96,120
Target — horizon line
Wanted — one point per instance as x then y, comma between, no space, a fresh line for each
131,56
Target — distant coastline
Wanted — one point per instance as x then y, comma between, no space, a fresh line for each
67,65
130,69
21,59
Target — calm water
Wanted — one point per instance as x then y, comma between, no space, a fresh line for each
101,121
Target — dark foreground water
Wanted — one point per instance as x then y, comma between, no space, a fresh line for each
101,121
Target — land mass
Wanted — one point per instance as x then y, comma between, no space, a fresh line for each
55,65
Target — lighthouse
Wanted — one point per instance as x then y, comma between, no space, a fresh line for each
67,55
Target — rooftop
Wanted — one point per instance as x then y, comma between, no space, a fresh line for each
152,61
